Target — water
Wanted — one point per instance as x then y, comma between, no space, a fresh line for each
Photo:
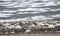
17,10
41,34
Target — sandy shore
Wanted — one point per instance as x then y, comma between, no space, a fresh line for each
41,34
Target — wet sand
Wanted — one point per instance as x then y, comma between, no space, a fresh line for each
41,34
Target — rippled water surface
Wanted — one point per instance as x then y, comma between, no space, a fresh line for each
16,10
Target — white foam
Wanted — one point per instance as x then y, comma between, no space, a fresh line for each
56,16
50,4
45,0
24,4
28,9
11,4
34,9
28,4
5,0
58,3
27,19
43,10
8,11
38,4
28,12
43,4
2,3
5,15
54,9
41,18
13,20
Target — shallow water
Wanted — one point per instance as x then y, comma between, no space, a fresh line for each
41,34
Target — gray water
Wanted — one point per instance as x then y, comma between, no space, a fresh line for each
35,9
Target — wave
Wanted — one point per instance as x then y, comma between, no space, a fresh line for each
56,16
5,15
34,18
44,8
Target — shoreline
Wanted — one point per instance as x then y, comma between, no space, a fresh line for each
28,27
